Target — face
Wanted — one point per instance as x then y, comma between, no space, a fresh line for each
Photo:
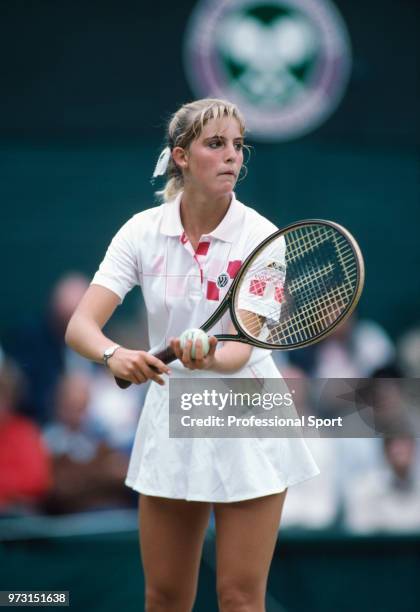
213,161
400,453
72,400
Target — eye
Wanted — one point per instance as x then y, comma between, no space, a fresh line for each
216,143
239,146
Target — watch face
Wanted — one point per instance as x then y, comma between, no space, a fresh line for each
109,352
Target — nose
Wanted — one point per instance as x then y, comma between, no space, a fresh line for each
230,152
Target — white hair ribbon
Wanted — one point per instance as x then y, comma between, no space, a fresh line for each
162,162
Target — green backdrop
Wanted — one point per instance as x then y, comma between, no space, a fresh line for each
87,90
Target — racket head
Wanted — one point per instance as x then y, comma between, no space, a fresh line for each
316,271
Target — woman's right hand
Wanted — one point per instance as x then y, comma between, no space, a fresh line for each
137,366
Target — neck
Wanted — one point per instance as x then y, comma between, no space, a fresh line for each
201,214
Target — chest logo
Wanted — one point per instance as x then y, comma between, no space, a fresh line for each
222,280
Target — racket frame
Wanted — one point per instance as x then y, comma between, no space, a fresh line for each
229,299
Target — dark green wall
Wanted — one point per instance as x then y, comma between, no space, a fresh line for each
321,572
86,90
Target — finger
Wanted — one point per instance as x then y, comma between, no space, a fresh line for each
199,360
198,350
175,345
136,376
212,345
151,374
186,354
156,363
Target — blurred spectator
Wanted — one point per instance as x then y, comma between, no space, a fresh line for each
38,346
311,504
395,402
114,415
409,353
25,474
88,474
354,350
388,498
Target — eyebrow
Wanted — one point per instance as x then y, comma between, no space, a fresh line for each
241,138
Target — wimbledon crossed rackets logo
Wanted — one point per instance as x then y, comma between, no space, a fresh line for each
285,62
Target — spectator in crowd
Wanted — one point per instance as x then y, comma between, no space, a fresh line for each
387,498
114,415
312,504
394,400
39,349
88,474
25,474
355,350
409,352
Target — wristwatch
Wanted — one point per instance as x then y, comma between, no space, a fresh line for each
109,352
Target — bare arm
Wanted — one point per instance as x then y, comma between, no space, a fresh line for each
232,357
84,335
84,331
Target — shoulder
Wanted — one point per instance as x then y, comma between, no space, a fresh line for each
257,226
149,215
146,218
141,224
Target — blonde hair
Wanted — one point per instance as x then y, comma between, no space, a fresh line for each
185,126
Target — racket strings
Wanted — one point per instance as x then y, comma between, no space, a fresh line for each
308,321
317,285
314,319
307,239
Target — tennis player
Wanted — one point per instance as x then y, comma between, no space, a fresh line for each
184,255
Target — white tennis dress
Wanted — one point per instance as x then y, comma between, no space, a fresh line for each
181,289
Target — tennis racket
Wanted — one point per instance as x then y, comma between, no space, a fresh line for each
293,290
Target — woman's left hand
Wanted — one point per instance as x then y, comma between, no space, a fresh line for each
200,362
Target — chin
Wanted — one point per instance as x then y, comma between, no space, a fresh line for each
224,193
221,190
227,186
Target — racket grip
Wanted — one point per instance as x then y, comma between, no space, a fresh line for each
167,355
122,383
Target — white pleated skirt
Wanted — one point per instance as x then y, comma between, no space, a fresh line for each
212,469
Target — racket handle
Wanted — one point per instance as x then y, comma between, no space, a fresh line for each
122,383
167,355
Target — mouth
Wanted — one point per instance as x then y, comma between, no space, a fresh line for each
228,173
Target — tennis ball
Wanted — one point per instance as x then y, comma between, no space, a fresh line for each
194,335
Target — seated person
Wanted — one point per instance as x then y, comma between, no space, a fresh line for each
88,474
25,474
388,498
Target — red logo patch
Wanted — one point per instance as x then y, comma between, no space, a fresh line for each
279,294
257,287
212,291
202,248
233,268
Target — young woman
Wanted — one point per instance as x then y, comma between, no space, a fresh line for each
181,254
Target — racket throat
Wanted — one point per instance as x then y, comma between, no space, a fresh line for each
231,337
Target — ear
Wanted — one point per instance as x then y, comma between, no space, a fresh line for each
180,157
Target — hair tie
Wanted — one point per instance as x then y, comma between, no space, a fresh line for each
162,163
